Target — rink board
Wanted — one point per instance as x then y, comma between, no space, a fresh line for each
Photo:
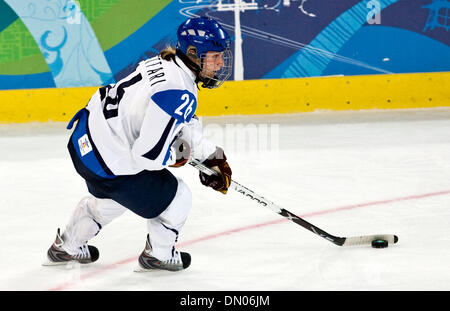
252,97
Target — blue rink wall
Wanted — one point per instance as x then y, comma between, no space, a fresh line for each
62,49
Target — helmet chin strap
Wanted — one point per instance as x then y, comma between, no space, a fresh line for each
206,82
209,83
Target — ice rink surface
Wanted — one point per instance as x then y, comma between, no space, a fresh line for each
349,173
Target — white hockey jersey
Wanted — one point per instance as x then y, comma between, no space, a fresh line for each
133,123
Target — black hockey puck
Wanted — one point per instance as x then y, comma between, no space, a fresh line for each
379,243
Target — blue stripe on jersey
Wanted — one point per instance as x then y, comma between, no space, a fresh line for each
91,159
166,158
156,150
179,104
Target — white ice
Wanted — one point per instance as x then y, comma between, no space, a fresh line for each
389,171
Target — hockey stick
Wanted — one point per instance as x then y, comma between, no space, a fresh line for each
341,241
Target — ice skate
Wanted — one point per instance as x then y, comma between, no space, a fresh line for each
147,262
56,255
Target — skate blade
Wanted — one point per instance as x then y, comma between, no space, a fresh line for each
141,270
49,263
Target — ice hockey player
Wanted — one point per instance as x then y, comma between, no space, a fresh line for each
131,131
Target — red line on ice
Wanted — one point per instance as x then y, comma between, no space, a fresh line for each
89,275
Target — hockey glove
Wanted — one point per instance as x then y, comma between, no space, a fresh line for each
218,162
182,152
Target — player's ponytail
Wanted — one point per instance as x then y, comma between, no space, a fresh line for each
168,53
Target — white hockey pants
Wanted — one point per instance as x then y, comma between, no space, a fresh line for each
92,214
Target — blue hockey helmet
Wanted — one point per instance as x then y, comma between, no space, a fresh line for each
206,34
